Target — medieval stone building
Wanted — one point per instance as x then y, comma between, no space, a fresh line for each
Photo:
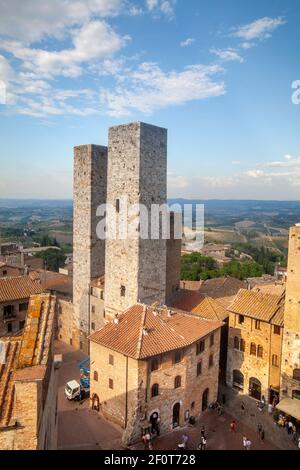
153,363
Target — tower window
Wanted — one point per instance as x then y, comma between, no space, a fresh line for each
111,360
275,361
111,383
95,376
276,330
241,319
93,326
177,357
123,291
200,347
211,361
118,205
199,368
212,339
154,390
257,324
177,382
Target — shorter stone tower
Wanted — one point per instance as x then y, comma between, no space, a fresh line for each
89,191
290,367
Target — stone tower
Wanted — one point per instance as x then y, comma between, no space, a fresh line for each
290,367
135,269
90,185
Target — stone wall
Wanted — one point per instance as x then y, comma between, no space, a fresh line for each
137,169
291,334
65,313
90,181
97,311
173,262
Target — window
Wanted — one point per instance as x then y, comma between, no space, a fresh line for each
275,361
111,360
260,351
71,341
95,376
154,390
253,349
192,405
239,344
199,368
257,324
212,339
118,205
123,291
277,330
21,324
4,272
9,327
211,361
154,364
296,374
241,319
23,307
93,309
177,357
111,384
93,326
200,347
8,311
177,382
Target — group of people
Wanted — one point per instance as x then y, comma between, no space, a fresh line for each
151,433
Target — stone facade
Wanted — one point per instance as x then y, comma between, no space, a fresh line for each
265,369
124,386
290,367
135,269
14,322
90,180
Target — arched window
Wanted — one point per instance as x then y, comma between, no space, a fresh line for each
242,345
177,382
253,349
238,379
260,351
236,343
296,374
154,390
95,376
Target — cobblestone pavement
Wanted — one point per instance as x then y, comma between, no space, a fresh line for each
79,428
252,417
217,430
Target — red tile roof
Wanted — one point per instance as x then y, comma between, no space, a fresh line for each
144,331
17,288
199,304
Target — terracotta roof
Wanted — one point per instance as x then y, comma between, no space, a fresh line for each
20,287
26,358
145,331
222,288
257,305
53,281
98,282
277,289
202,305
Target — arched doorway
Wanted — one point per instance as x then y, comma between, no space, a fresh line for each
238,380
205,395
154,421
176,415
255,388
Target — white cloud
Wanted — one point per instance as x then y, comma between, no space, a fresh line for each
236,162
259,29
149,88
227,55
187,42
95,40
165,7
33,20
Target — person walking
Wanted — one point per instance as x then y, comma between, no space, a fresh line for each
259,429
233,426
203,443
290,427
248,444
245,442
202,431
243,408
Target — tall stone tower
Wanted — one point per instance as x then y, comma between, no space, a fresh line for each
90,185
290,367
135,269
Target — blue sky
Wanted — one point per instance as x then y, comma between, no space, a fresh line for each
218,74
